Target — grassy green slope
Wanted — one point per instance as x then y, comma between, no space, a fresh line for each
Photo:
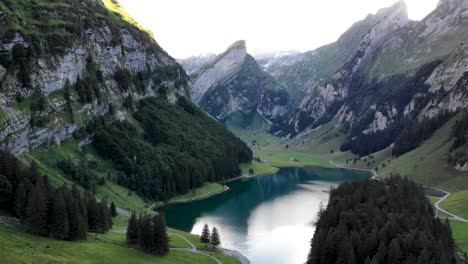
18,247
457,203
459,229
107,248
428,164
47,160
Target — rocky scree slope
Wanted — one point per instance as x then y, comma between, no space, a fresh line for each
63,63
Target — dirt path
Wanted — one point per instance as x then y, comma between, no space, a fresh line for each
437,206
193,249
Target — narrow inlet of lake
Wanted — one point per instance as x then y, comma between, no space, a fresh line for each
269,219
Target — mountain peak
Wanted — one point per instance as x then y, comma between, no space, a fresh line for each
240,44
399,9
220,68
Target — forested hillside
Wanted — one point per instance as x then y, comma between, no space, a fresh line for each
44,210
96,108
167,149
387,221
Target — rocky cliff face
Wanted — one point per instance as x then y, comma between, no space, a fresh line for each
193,64
233,88
327,95
106,62
392,47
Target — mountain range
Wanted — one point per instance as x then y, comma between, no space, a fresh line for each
385,74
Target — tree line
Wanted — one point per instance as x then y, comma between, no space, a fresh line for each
212,238
387,221
407,131
459,153
59,213
178,149
412,136
148,233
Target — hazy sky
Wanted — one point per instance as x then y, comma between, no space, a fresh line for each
191,27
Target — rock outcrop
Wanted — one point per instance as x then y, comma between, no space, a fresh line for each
234,89
98,49
334,80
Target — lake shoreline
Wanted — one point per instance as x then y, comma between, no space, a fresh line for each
293,196
249,176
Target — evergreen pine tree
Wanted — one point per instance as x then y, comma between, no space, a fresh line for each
6,192
21,198
146,241
424,257
36,212
60,225
101,223
394,252
346,254
132,230
205,236
34,172
92,213
113,210
75,217
105,211
161,240
215,239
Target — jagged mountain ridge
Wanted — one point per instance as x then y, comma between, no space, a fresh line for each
392,46
233,88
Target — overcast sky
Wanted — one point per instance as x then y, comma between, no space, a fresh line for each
186,28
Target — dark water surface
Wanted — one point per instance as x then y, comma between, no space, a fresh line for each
270,219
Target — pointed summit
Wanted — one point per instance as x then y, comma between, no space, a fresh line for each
399,9
240,44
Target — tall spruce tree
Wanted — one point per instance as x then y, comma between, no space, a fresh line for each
113,210
36,212
132,230
21,198
146,240
215,240
92,210
78,226
60,225
205,236
6,192
161,240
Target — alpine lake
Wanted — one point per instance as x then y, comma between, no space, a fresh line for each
270,219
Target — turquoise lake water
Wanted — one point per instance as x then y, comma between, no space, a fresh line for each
269,219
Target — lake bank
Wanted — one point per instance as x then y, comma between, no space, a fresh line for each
268,219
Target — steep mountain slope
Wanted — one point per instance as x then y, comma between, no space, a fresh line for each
51,44
193,64
85,70
300,73
400,72
234,89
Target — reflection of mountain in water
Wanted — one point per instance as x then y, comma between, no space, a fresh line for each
245,195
